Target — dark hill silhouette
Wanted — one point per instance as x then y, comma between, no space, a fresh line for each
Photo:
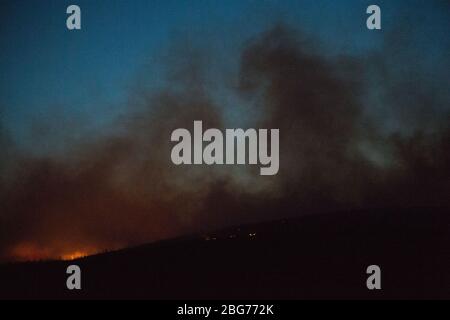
316,256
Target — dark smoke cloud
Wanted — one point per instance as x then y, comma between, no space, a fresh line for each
121,189
316,112
333,152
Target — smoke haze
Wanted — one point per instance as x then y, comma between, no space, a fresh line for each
354,133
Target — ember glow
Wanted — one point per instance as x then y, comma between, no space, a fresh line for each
30,252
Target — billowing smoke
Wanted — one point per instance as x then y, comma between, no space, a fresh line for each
121,188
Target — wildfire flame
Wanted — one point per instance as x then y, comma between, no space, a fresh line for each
33,252
74,255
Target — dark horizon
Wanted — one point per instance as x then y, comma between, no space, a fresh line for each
311,257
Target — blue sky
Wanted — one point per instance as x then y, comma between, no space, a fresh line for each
87,75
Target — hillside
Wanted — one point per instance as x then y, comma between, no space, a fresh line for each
315,256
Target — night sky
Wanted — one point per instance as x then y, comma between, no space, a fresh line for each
86,115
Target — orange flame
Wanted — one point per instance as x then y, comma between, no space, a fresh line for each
27,251
74,255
